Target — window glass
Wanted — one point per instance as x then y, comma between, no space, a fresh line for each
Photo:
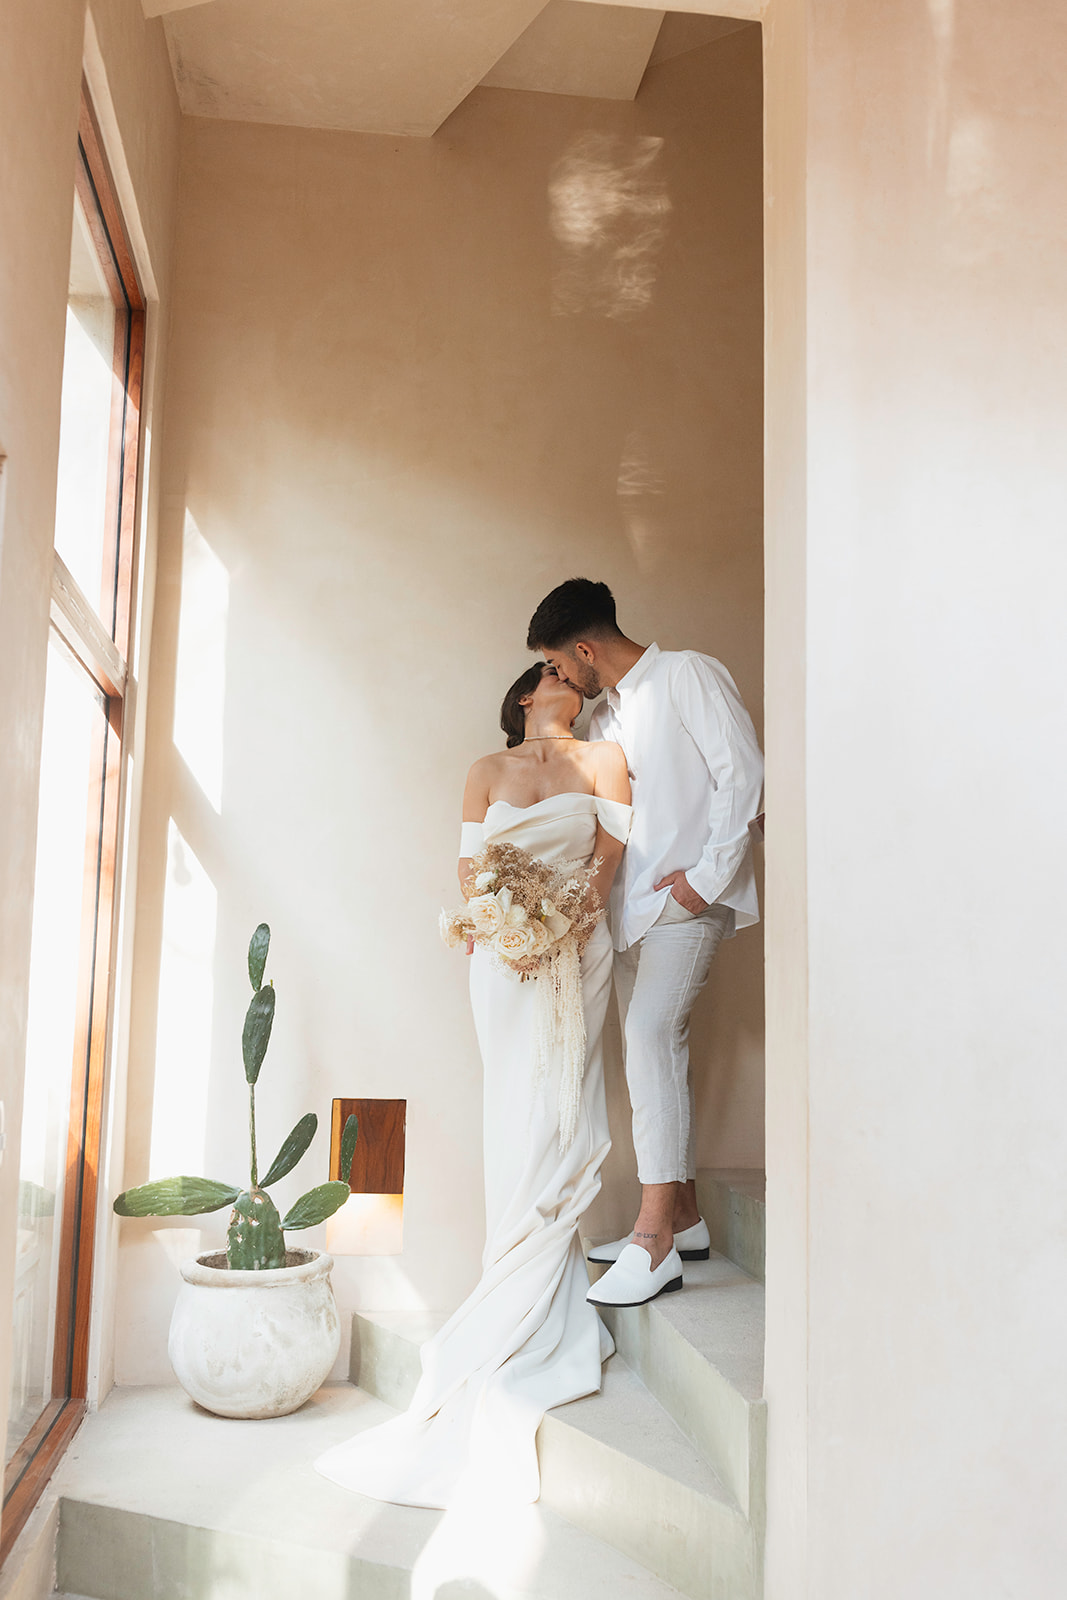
65,892
94,378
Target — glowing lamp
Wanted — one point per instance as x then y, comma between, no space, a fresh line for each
371,1222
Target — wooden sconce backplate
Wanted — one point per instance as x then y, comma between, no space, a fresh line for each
378,1165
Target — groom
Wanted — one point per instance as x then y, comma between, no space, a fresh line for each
685,884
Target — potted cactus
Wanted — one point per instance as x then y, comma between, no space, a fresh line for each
255,1328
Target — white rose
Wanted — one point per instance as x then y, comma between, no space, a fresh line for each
484,881
451,927
485,913
514,943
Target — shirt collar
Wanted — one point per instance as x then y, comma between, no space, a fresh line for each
631,679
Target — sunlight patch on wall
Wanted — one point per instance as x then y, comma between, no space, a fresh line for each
942,16
640,487
608,209
186,1000
178,1244
200,686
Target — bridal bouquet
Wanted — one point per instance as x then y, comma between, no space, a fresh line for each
535,919
522,909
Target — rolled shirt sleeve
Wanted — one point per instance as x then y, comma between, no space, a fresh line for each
712,713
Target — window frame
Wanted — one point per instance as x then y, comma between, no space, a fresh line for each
80,628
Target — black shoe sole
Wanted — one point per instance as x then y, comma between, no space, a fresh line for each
627,1305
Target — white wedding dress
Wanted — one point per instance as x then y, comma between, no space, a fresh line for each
526,1339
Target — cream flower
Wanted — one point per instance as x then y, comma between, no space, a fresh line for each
514,912
484,881
541,938
556,923
486,914
452,930
514,943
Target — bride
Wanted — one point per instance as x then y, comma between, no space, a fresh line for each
526,1339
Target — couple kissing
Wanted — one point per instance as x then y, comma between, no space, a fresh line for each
619,860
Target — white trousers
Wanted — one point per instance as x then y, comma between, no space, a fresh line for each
656,982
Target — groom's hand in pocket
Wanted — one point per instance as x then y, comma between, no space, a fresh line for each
683,892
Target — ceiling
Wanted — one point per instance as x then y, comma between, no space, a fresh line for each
402,66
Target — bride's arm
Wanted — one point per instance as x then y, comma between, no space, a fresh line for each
475,805
612,782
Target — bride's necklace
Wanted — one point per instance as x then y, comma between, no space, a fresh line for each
536,737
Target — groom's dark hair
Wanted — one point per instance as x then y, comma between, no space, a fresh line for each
577,609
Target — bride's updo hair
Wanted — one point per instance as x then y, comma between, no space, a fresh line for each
512,715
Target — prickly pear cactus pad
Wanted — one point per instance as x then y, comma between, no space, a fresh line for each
254,1240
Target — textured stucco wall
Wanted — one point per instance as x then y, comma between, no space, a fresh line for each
916,1205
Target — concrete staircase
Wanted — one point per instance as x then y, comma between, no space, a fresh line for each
667,1463
651,1489
162,1501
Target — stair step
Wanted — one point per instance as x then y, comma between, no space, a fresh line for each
614,1464
732,1201
700,1353
162,1501
383,1356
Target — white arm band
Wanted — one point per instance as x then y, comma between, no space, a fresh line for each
471,839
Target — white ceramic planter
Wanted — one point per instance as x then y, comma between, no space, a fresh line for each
254,1344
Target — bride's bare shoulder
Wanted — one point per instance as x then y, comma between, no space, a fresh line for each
488,766
480,780
608,766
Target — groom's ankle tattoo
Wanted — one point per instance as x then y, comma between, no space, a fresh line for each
646,1235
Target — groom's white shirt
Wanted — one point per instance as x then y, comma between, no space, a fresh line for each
697,774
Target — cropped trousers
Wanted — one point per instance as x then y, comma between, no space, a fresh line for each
656,982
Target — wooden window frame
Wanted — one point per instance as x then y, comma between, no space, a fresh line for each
98,639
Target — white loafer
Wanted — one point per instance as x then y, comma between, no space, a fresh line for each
633,1280
692,1244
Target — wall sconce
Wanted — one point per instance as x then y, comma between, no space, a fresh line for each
371,1222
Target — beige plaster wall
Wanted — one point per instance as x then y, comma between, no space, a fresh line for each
915,1358
415,385
785,902
44,51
